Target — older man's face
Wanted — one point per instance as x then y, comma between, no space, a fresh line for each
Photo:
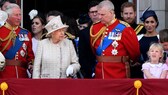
106,15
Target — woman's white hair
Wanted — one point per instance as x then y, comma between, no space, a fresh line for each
10,7
108,4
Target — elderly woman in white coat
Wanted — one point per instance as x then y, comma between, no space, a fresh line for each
55,56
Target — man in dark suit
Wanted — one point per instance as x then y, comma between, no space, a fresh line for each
87,59
128,14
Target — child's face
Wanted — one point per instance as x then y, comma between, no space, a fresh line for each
155,54
165,46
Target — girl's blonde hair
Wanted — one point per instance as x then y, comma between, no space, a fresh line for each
160,47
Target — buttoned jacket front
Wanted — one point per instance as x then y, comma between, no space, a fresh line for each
52,60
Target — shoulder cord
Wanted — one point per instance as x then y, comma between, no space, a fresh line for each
97,35
138,28
9,38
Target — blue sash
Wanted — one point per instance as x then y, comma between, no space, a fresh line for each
106,42
10,54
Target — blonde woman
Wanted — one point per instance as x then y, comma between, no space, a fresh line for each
55,56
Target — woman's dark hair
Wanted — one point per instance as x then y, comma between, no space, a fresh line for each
149,13
92,4
41,17
43,21
56,13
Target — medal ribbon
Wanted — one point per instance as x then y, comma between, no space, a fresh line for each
10,54
106,41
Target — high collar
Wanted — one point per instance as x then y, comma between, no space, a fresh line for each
7,25
111,22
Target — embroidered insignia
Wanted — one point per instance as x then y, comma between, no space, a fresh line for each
22,53
24,46
118,30
114,52
115,44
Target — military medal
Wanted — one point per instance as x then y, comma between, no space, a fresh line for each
21,37
26,37
22,53
24,46
115,45
118,36
114,52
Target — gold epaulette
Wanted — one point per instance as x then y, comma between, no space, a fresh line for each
125,23
7,25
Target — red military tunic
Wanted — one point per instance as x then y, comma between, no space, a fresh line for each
24,53
127,46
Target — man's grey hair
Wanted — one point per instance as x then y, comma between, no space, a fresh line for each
108,4
10,7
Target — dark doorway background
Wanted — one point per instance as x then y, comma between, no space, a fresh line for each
71,8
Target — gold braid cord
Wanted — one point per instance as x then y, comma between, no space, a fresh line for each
97,35
138,28
11,36
70,36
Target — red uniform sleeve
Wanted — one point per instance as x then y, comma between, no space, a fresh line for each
30,55
131,43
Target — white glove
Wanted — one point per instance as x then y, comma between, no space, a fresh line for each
69,71
2,61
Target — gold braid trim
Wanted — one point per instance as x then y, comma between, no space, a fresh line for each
70,35
5,38
9,37
97,35
7,25
138,28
